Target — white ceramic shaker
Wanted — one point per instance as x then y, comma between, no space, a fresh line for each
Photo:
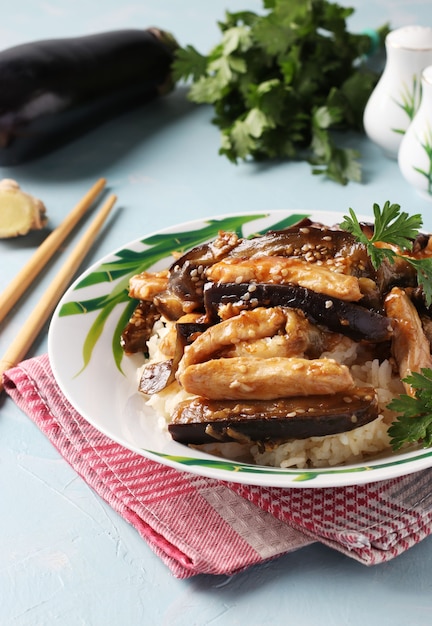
415,152
396,97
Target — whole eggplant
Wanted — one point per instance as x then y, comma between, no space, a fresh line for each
54,90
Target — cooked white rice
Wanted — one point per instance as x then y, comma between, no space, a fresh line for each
347,447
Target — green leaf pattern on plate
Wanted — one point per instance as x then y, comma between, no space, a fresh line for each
298,475
127,263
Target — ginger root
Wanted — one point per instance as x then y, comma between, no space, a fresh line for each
19,211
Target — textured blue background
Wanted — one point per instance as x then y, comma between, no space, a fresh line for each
64,554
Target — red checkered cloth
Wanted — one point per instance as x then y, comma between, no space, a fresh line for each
199,525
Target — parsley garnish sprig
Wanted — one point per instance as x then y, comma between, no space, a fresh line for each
396,228
414,424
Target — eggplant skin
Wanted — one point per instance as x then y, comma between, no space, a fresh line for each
347,318
199,421
139,328
156,376
54,90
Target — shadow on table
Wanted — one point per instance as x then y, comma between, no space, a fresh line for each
323,567
94,150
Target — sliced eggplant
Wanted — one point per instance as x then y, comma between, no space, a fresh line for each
398,273
350,319
304,240
156,376
139,328
208,253
169,305
188,331
200,421
187,273
312,242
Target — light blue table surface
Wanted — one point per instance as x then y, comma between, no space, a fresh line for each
65,556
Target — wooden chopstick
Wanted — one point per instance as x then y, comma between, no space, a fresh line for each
44,252
46,304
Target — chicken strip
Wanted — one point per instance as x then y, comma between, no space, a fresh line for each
168,343
297,337
243,378
146,285
248,325
283,270
266,347
410,346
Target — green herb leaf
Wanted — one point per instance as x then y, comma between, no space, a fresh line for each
424,276
236,38
189,63
414,424
395,228
339,164
390,226
282,82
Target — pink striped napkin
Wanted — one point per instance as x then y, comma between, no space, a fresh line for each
198,525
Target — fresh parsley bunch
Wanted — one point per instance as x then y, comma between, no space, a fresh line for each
281,82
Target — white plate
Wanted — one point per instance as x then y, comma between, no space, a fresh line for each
88,365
